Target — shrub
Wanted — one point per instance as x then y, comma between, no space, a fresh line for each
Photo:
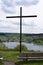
23,47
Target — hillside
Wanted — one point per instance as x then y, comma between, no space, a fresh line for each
15,37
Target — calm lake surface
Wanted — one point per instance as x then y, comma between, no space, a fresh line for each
30,46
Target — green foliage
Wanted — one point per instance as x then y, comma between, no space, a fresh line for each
30,63
39,42
3,46
23,47
15,37
1,63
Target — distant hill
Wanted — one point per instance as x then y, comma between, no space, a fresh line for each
15,37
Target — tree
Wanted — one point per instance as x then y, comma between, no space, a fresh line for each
23,47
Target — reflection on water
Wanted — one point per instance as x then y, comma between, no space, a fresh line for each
30,46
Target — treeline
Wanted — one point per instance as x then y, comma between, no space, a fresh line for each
15,37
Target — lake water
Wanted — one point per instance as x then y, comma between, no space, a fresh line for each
30,46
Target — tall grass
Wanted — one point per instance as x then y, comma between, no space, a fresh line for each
30,63
9,55
1,63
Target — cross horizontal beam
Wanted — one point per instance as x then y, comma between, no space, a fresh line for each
21,16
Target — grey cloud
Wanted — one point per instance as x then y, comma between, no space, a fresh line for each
27,2
31,24
6,10
7,2
8,6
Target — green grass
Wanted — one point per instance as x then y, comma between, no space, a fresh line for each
12,55
30,63
9,55
1,63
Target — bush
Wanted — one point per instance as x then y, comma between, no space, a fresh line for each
23,47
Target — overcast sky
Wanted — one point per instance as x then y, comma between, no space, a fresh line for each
29,7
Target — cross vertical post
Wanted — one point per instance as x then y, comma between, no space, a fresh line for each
20,27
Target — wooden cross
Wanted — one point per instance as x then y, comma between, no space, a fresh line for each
21,23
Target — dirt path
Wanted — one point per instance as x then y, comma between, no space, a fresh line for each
9,63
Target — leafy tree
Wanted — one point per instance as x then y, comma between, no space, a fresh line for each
23,47
2,46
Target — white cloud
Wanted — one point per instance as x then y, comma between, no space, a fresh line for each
31,25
